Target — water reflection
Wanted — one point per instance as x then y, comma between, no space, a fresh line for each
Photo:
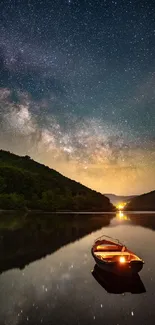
146,220
26,238
122,216
60,289
117,284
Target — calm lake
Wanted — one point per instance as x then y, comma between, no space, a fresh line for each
47,277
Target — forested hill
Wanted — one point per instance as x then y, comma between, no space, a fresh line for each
24,183
144,202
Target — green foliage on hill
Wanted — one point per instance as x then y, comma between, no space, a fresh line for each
24,183
144,202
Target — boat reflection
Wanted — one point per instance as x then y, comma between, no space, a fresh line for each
117,284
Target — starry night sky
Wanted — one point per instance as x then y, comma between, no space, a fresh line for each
77,89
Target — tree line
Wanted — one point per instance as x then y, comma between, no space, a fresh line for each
27,184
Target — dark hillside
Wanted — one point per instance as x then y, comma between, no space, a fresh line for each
26,183
144,202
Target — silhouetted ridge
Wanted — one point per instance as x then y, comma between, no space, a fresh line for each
26,183
144,202
115,199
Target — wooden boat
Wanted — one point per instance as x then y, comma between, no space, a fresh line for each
112,256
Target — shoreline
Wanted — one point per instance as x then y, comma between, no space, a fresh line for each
56,212
74,212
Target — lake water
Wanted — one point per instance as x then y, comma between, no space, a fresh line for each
46,270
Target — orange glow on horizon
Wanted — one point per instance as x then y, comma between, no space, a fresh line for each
120,206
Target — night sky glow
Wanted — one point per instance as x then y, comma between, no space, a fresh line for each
77,89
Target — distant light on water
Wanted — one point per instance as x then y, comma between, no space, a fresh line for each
122,216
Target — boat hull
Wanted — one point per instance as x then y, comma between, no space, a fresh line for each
115,267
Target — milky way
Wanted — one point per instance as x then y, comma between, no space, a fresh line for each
77,89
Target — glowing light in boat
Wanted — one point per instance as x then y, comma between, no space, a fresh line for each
122,259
